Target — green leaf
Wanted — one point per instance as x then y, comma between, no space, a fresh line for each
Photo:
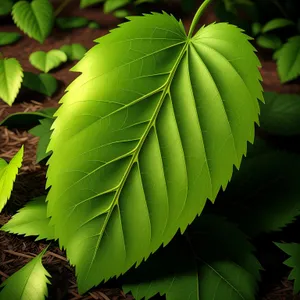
8,173
193,267
269,41
288,60
11,76
86,3
46,61
132,161
121,13
7,38
93,25
74,51
31,220
265,189
280,114
292,250
43,131
35,18
71,22
256,28
5,7
276,24
42,83
111,5
27,119
29,283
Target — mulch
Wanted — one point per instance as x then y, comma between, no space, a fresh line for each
16,251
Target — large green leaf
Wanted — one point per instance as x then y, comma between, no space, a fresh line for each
292,250
288,60
35,18
149,130
213,260
265,189
8,173
281,114
31,220
11,76
29,283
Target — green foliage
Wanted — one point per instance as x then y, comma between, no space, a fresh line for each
42,83
280,115
276,24
29,283
5,7
74,51
265,189
115,186
34,18
204,263
256,28
31,220
8,173
288,60
86,3
93,25
43,131
11,76
46,61
71,22
121,13
7,38
111,5
269,41
294,262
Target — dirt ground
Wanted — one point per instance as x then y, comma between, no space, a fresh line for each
15,251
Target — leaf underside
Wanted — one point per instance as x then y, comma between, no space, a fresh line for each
148,132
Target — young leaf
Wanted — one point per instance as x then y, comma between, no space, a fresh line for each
93,25
121,13
11,76
5,7
35,18
27,119
8,173
74,51
288,60
46,61
71,22
276,24
7,38
43,131
147,132
269,41
292,250
256,28
31,220
280,114
193,267
30,282
111,5
265,189
86,3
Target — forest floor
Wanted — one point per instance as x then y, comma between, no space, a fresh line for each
16,251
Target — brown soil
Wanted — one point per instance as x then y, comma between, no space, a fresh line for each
16,251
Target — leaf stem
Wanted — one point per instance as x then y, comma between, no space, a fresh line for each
197,16
61,7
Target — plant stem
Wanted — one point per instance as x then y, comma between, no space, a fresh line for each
197,16
61,7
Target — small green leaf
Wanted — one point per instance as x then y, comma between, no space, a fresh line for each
93,25
71,22
74,51
7,38
42,83
292,250
86,3
121,13
212,260
27,119
35,18
280,114
5,7
31,220
288,60
276,24
111,5
43,131
269,41
46,61
256,28
8,173
29,283
11,76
